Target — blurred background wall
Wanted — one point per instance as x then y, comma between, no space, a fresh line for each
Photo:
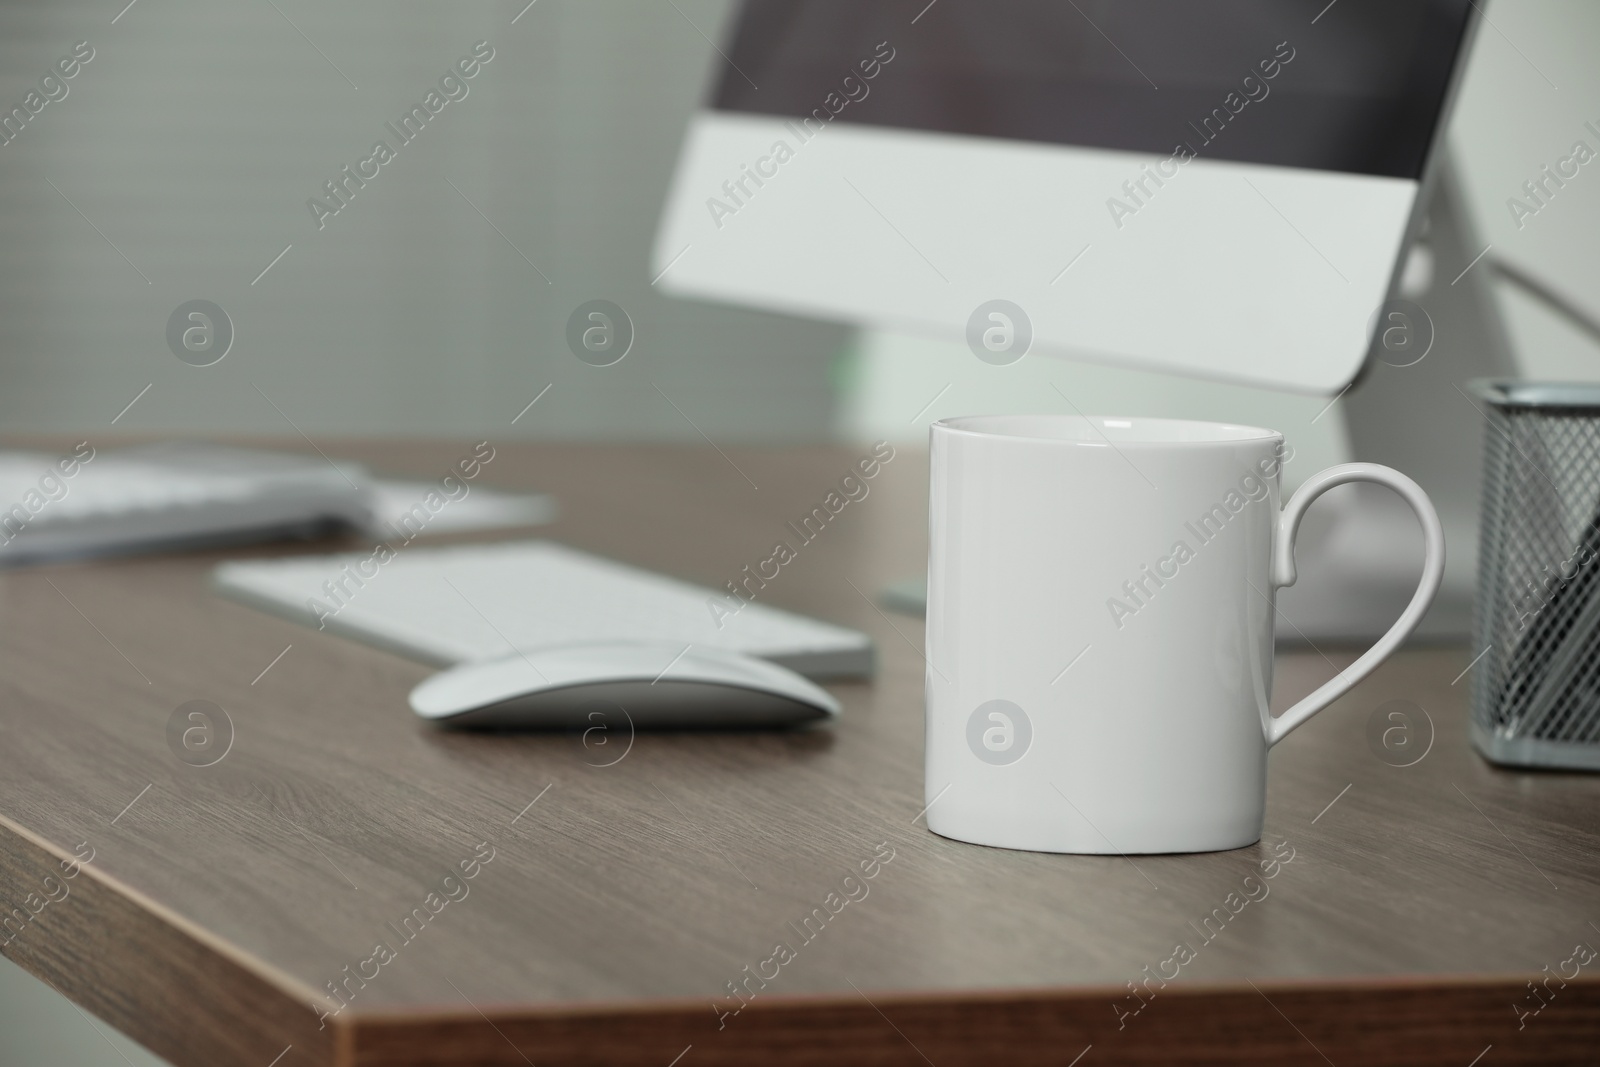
179,163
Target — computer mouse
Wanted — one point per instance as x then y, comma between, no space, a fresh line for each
655,685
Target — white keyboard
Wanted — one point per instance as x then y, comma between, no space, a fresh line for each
460,604
85,503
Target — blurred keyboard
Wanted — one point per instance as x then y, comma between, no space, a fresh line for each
168,496
479,602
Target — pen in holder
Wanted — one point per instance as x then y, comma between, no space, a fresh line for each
1536,693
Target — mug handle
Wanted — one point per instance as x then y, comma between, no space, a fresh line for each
1283,573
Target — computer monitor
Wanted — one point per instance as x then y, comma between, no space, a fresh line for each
1219,188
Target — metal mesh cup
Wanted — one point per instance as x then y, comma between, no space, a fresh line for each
1536,692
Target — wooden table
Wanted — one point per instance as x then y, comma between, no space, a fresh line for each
222,903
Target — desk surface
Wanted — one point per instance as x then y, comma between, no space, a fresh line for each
222,903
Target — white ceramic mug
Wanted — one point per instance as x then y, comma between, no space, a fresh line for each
1100,629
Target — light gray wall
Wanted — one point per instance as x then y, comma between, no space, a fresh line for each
1533,87
40,1028
193,139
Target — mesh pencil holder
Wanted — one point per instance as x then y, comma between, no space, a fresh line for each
1536,691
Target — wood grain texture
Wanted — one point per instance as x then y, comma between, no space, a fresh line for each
614,912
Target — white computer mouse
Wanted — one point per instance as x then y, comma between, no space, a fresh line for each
656,685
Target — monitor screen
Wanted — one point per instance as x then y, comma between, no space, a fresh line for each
1354,86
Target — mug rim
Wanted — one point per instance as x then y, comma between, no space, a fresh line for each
1199,433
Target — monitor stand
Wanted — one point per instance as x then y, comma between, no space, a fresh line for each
1360,549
